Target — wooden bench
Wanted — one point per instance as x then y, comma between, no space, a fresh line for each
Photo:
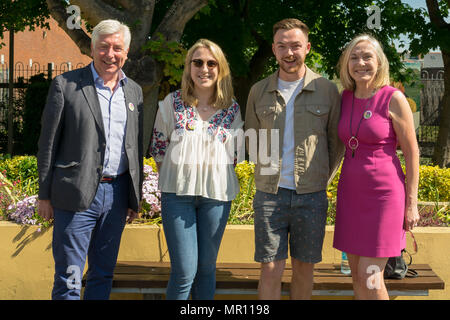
150,279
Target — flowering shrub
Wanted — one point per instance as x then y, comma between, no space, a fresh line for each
434,184
151,196
331,194
7,194
19,168
242,206
25,212
18,189
17,205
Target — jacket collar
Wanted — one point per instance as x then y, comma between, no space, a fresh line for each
308,84
97,79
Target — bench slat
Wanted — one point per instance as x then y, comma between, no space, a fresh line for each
125,265
245,276
230,270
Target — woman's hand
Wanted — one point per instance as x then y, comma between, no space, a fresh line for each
412,217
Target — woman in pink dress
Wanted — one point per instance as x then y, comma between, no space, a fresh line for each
375,205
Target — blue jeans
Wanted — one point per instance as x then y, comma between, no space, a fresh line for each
94,233
193,227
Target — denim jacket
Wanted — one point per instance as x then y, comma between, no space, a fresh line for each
318,150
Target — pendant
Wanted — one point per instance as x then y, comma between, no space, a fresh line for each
353,143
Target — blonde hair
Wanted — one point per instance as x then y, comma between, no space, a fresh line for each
223,93
382,76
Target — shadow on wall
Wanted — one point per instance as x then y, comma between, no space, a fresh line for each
22,239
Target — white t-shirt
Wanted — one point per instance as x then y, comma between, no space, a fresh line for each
289,90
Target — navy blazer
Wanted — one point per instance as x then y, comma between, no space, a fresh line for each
72,142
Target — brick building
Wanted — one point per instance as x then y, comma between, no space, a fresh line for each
37,48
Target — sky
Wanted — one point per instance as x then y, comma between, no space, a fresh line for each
415,3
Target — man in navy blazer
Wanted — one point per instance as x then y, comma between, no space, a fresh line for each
90,164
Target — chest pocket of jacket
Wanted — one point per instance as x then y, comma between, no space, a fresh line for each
266,115
316,118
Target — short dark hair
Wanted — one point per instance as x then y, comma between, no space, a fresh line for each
290,23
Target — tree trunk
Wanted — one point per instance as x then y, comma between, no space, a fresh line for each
441,155
150,108
148,74
243,84
242,87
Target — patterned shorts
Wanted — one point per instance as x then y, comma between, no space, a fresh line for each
288,217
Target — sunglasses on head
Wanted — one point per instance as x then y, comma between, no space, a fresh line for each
199,63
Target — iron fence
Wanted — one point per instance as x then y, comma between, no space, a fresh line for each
22,73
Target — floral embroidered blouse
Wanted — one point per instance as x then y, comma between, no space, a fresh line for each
198,157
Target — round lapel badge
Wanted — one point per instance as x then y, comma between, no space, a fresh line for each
131,106
367,114
190,126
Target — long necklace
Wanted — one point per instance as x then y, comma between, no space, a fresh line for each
353,142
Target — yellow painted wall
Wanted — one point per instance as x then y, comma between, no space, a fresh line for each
26,262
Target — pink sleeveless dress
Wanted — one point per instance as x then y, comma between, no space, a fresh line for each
371,192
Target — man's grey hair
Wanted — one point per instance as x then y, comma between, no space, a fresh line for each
110,27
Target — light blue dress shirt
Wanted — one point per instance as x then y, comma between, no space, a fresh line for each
114,114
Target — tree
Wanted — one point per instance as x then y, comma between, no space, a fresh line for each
425,36
243,28
18,15
248,37
142,65
441,35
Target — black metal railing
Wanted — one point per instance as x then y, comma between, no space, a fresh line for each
428,131
22,73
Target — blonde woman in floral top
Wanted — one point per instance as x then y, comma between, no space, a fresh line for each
196,145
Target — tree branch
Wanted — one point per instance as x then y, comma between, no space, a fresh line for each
81,38
123,3
95,11
142,11
177,16
246,10
435,14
